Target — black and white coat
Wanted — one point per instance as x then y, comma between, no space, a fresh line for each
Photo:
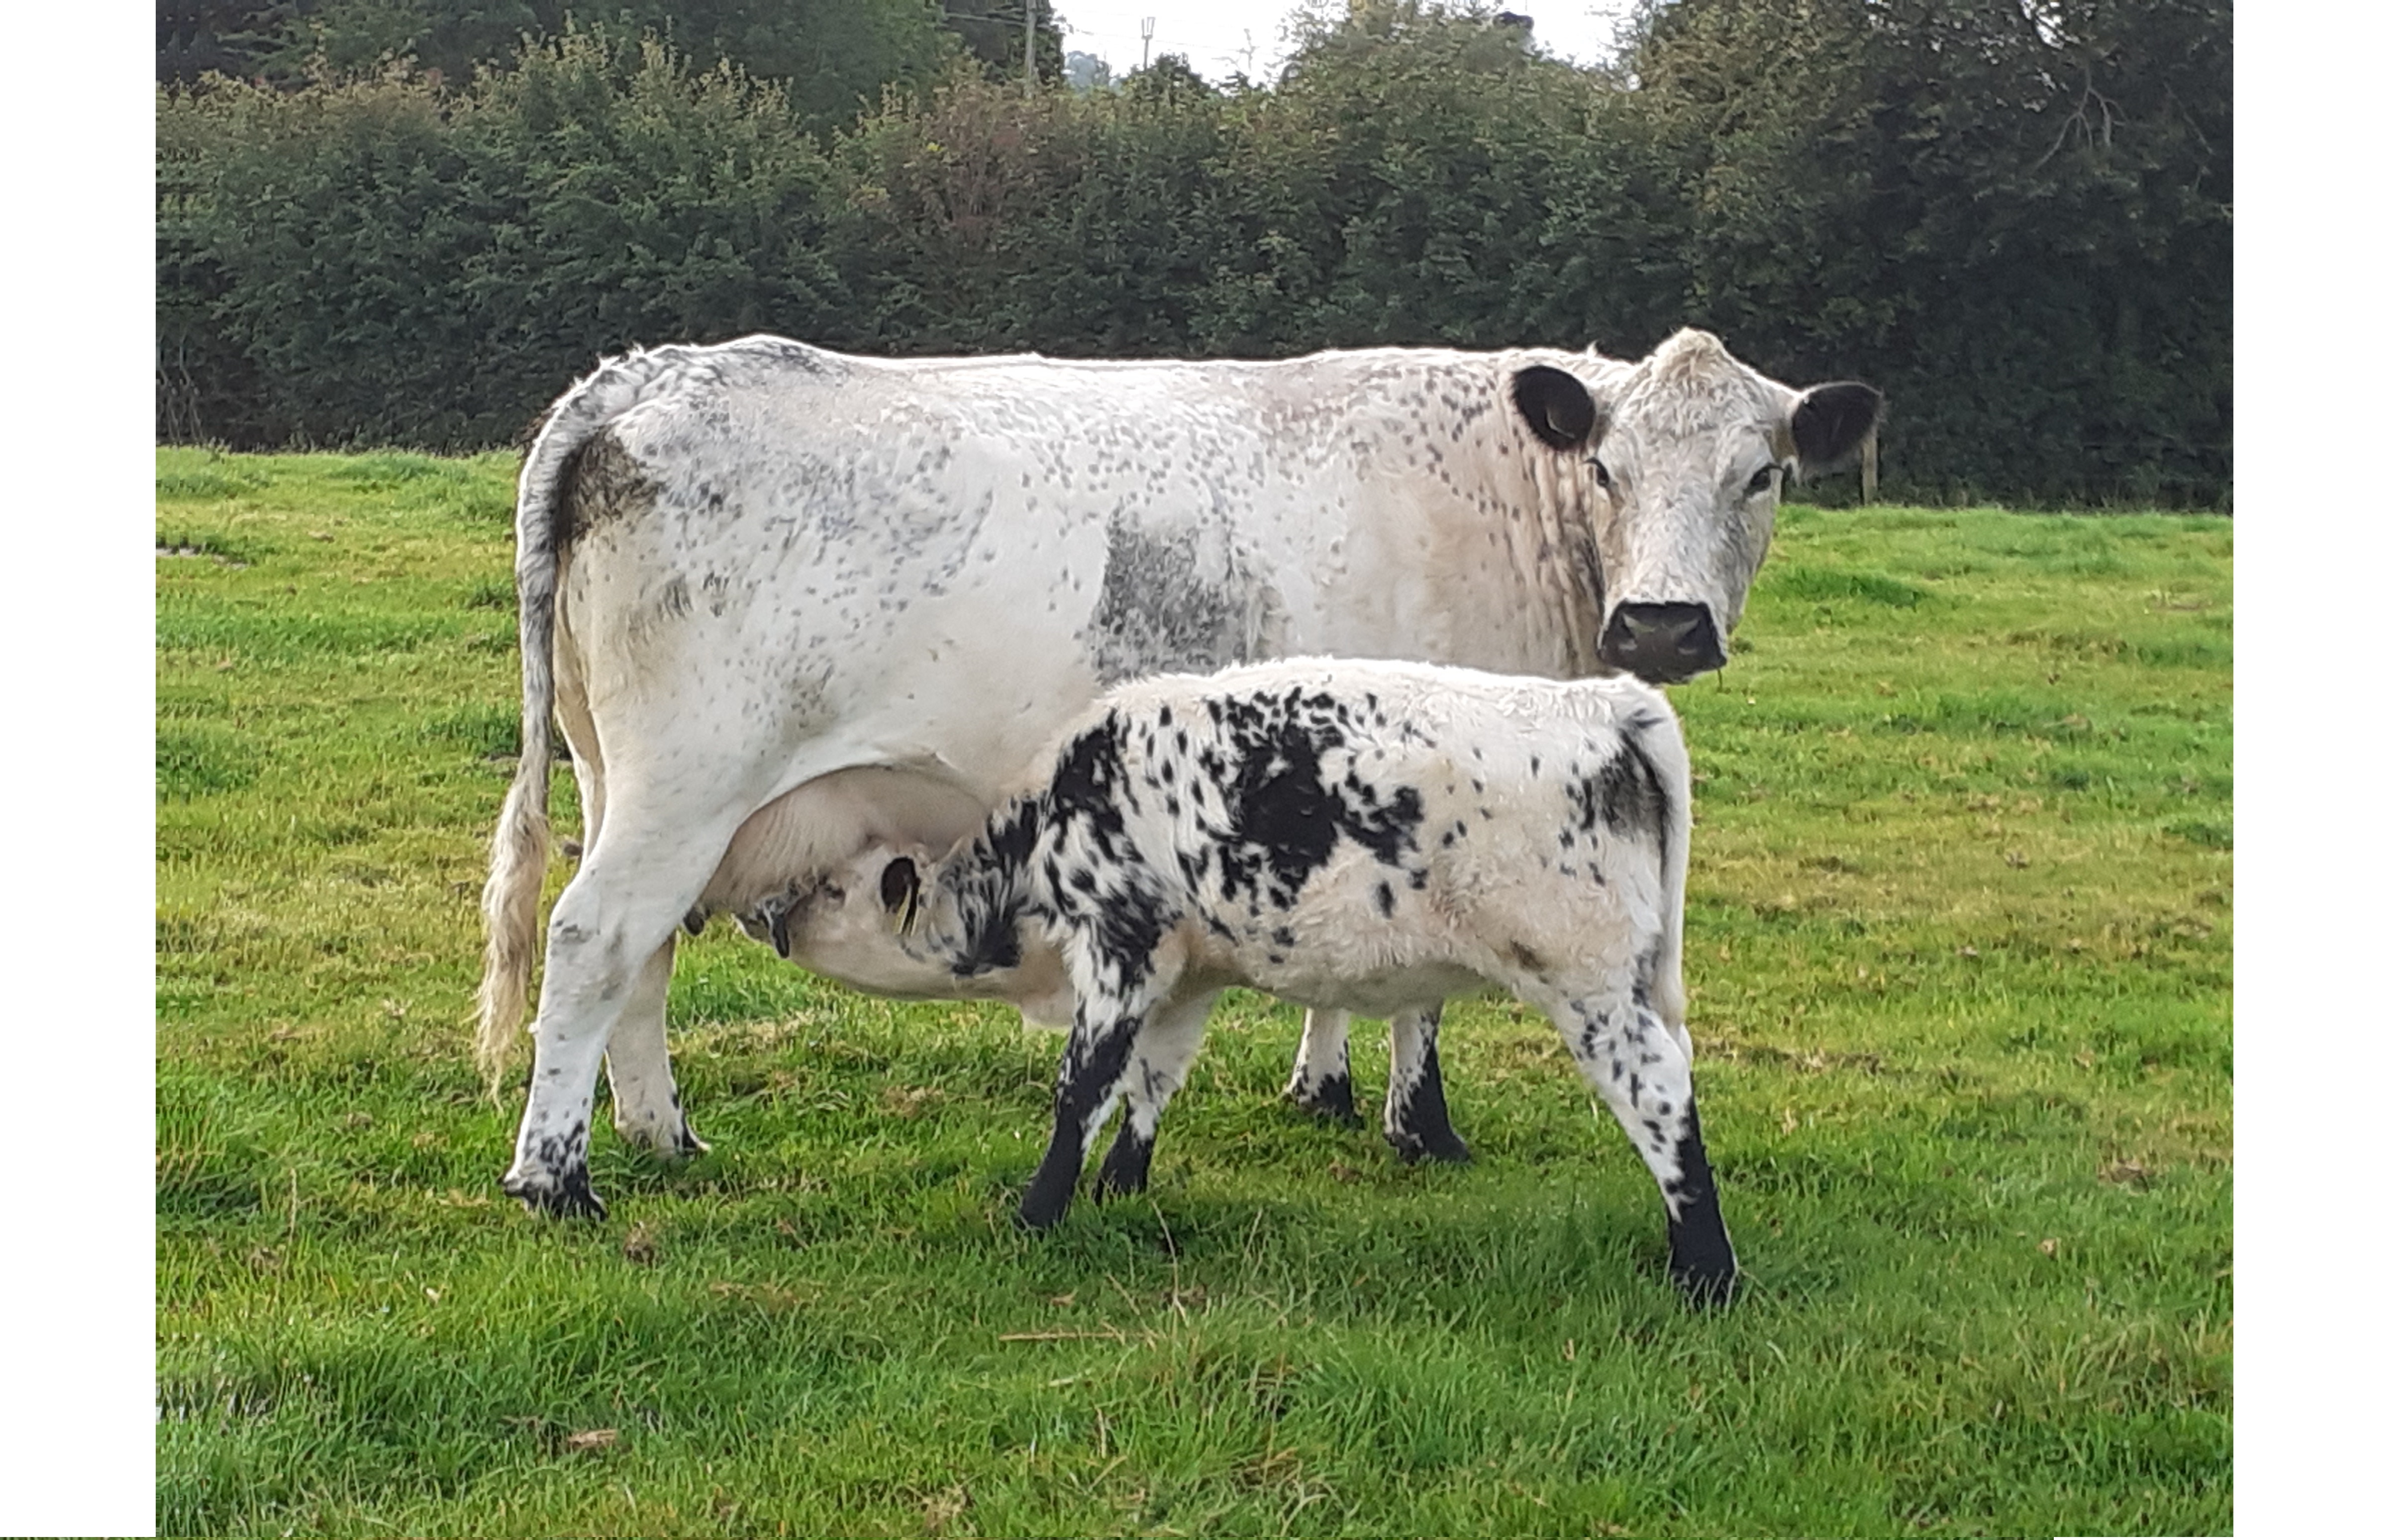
1364,836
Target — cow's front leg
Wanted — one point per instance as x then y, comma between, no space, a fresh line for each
644,1104
1159,1060
1085,1090
1320,1082
1415,1118
1640,1069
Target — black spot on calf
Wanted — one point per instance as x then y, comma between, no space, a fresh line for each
1285,820
1623,795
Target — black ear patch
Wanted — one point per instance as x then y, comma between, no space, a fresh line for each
899,881
1557,407
1830,423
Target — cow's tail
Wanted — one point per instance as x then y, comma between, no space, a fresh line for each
522,838
1658,741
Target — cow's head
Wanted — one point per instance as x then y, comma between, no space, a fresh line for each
1688,449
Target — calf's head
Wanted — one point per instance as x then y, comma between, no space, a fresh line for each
959,912
927,920
1686,449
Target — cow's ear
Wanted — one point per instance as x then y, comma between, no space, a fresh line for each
1556,405
1830,423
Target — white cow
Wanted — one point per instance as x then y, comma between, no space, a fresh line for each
1370,836
798,611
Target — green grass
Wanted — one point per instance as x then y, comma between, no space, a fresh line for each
1960,963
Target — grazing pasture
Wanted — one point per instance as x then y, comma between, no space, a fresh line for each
1959,966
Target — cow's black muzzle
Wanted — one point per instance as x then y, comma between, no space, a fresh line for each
1662,644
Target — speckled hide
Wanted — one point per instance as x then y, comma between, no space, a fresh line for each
796,613
1362,837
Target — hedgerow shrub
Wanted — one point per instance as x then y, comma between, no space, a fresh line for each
2021,231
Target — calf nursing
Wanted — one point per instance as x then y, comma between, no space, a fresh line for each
794,612
1362,837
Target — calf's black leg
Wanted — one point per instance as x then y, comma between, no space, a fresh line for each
1126,1163
1415,1120
1641,1070
1321,1085
1158,1062
1092,1062
1702,1264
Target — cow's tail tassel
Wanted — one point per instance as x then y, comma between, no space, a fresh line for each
521,841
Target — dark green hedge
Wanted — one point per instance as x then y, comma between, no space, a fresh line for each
2021,231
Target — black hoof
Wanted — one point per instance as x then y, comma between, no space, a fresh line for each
1702,1263
1048,1195
1040,1214
1125,1168
1056,1181
1331,1097
573,1199
678,1146
1708,1290
1443,1148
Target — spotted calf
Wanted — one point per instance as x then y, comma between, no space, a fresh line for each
1364,837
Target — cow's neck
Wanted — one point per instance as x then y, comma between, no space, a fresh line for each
1551,555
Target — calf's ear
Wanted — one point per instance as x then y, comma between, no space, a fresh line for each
1829,422
1556,405
898,890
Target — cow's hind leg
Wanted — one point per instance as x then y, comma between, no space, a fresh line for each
1642,1069
644,1104
1415,1118
1159,1059
614,918
1321,1083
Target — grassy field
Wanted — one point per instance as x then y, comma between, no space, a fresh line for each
1960,970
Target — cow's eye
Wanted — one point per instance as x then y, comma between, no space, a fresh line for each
1596,468
1760,481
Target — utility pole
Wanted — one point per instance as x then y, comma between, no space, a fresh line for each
1145,32
1028,48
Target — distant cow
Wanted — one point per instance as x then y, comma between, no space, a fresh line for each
1361,836
798,611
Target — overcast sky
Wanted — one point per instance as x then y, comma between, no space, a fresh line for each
1214,34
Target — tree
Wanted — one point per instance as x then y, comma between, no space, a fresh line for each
228,38
2015,214
833,56
995,34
